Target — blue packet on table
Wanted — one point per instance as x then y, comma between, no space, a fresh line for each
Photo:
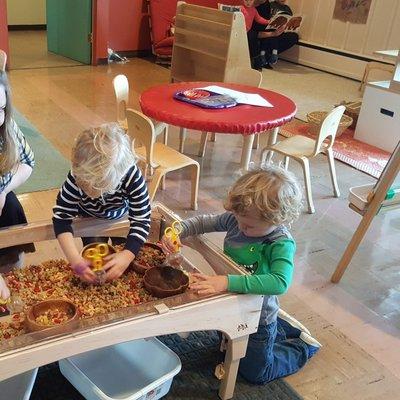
205,99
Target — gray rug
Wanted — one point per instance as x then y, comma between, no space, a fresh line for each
199,354
51,167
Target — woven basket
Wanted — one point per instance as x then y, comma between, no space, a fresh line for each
315,119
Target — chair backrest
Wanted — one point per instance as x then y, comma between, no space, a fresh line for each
121,89
329,128
3,60
141,131
245,76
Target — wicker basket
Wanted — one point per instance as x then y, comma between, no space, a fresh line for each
315,119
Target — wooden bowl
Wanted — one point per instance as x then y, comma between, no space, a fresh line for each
165,281
43,306
140,266
111,249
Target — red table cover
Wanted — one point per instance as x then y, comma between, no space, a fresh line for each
158,103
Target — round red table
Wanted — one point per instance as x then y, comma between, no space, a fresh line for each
158,103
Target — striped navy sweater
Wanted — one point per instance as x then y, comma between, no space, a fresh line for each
130,196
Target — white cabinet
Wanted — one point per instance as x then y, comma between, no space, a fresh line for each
379,120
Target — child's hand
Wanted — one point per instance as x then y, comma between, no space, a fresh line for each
82,269
205,284
168,245
4,291
117,263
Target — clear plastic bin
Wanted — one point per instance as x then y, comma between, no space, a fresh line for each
138,370
18,387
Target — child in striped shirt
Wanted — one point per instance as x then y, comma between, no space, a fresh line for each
104,182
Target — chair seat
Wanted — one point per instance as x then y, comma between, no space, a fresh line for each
165,157
158,126
296,146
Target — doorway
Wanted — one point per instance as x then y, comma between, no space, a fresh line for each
48,33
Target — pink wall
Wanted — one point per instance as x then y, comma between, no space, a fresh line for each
129,25
3,26
124,24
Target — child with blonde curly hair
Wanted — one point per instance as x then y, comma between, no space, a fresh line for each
104,182
258,207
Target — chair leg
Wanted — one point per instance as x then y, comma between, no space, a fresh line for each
163,182
263,155
286,162
364,78
272,139
182,138
256,142
155,182
195,185
213,137
306,170
203,143
166,135
332,170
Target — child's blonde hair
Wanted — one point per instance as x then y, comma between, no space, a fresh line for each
9,148
101,157
273,191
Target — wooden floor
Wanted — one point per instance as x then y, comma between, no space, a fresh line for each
357,321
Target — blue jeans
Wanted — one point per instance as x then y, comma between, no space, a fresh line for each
271,356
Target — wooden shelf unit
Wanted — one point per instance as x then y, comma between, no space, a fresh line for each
209,44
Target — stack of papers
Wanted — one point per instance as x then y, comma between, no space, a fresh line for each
240,97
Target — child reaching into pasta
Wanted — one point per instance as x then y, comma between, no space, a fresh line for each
257,207
104,182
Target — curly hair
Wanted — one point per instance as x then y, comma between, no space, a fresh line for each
101,157
273,191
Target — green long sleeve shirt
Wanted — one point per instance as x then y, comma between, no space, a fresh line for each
269,258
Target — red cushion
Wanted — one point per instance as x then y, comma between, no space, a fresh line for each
167,42
163,51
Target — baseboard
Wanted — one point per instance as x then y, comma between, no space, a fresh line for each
329,60
27,27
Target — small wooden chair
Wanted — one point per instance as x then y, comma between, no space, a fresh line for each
121,89
3,60
302,148
243,76
160,158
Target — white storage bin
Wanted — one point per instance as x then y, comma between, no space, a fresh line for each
138,370
358,195
18,387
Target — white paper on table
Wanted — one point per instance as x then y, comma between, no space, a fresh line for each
240,97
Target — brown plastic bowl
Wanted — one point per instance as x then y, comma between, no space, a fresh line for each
90,245
141,268
165,281
43,306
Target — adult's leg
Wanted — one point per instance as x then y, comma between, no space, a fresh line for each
286,41
254,48
267,359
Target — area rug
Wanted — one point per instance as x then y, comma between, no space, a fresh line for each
51,167
199,354
362,156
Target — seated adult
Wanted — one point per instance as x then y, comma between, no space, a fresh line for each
275,42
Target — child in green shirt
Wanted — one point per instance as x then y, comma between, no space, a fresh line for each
258,206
